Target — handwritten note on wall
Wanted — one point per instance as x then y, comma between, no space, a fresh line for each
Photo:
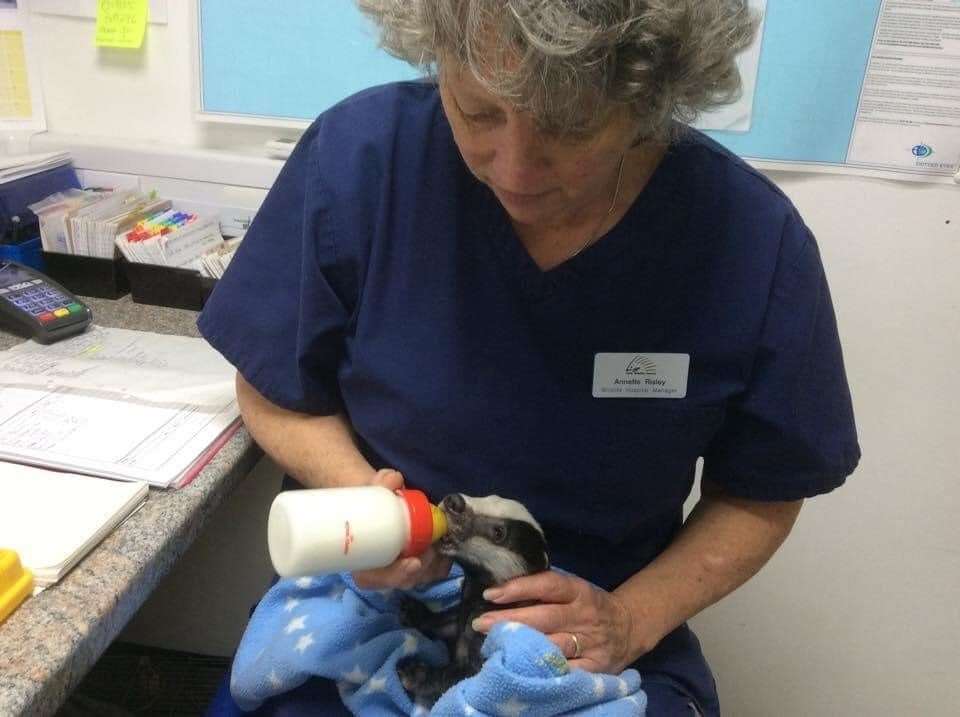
121,23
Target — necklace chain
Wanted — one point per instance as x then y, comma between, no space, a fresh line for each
596,232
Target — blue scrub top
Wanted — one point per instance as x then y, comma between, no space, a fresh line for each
380,278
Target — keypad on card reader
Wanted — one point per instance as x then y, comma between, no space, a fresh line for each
42,301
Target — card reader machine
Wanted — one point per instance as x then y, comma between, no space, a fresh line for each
35,305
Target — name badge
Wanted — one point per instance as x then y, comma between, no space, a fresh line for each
640,375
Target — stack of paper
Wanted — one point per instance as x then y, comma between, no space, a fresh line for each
87,222
172,238
93,228
24,165
54,213
145,228
54,519
119,404
215,263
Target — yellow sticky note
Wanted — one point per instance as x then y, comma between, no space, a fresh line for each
14,88
121,23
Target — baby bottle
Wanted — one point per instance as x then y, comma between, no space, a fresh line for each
328,530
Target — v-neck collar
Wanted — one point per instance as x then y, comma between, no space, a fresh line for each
601,257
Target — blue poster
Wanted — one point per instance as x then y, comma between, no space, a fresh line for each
295,58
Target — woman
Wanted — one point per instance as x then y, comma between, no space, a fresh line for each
530,278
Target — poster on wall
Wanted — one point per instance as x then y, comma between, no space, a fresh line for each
868,87
909,112
21,99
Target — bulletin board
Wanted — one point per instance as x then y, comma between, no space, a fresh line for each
284,62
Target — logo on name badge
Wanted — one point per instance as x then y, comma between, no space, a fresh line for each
623,375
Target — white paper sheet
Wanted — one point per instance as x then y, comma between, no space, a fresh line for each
116,403
909,113
24,165
136,364
67,429
54,519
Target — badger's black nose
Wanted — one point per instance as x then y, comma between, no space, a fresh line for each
454,504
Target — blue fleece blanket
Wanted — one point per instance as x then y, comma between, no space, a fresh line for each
327,627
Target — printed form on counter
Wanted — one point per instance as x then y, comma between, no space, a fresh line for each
115,403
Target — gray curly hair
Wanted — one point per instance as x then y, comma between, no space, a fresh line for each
569,62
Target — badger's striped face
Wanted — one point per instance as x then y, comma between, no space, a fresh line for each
493,534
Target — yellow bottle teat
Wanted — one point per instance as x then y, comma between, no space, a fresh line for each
439,523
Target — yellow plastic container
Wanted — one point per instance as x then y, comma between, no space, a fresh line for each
16,583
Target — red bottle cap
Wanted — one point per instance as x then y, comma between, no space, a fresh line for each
421,522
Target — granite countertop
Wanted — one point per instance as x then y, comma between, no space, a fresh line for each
53,639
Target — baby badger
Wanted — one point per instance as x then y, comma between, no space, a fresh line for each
494,540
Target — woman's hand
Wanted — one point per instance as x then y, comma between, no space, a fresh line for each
569,611
405,573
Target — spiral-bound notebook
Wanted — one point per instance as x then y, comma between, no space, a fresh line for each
54,519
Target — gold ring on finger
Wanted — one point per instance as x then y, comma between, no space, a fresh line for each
577,647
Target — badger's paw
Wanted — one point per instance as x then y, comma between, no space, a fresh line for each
423,682
414,676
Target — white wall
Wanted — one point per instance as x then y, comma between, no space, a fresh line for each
203,605
148,94
860,611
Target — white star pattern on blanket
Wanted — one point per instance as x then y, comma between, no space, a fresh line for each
295,624
511,708
304,642
356,676
520,679
377,684
409,643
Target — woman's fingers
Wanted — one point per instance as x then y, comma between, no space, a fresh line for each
590,626
406,573
555,596
588,665
400,574
548,618
388,478
435,566
547,586
566,643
